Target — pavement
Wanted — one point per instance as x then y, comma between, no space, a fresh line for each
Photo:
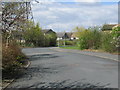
56,67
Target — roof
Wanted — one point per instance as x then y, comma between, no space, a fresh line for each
60,34
64,34
108,27
73,35
69,34
47,30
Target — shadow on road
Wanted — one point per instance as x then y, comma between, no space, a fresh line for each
66,85
42,56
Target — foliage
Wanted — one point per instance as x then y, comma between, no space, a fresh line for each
106,42
110,41
33,34
71,47
78,31
46,41
67,42
12,59
52,39
116,36
93,38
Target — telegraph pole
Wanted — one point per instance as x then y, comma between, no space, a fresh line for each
64,39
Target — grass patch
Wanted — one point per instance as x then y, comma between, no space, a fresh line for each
70,47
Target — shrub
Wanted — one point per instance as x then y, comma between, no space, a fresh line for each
110,40
107,44
46,41
34,35
89,39
12,59
52,39
116,38
67,42
84,40
94,39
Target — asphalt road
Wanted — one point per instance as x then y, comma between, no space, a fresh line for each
50,66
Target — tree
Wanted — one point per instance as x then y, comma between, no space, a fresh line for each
13,18
52,38
13,15
33,34
94,37
88,38
78,31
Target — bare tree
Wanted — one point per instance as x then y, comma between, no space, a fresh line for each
14,16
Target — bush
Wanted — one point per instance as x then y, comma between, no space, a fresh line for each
107,42
33,35
67,42
12,59
46,41
89,39
52,39
84,39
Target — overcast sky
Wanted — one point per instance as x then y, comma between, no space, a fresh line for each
64,16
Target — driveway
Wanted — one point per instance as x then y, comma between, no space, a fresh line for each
49,66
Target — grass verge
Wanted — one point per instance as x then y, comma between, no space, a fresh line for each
93,50
70,47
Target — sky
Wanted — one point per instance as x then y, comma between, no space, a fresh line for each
65,15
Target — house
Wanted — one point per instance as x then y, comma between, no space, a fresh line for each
63,35
60,35
48,31
66,35
73,37
109,27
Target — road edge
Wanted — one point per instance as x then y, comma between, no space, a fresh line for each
86,54
10,81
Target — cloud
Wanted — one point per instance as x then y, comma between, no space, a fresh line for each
65,16
92,1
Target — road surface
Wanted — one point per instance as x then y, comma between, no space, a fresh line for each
50,66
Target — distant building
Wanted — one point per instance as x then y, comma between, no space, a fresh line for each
66,35
73,36
48,31
109,27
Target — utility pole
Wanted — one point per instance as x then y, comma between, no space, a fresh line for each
58,42
64,38
58,37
